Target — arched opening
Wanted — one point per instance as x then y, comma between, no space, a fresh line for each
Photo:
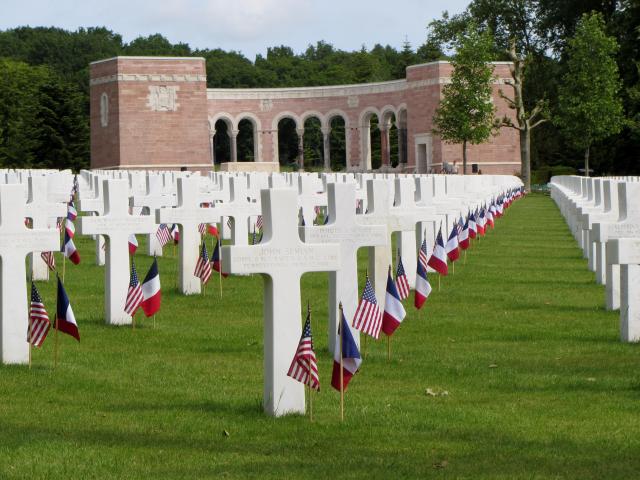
338,144
287,143
401,125
246,141
222,142
313,144
374,142
389,140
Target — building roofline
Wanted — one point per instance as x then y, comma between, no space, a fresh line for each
145,58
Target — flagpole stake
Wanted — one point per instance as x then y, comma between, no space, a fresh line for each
438,281
133,321
465,256
64,266
55,347
365,347
154,322
453,266
341,369
388,348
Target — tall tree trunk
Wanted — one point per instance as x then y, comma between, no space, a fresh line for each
586,161
525,157
464,157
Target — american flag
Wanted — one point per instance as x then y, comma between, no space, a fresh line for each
134,294
304,366
203,267
202,228
368,317
49,260
163,234
229,223
402,283
422,254
259,222
39,319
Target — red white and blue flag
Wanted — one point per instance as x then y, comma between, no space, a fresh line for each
259,222
394,312
490,216
203,267
134,293
438,259
368,318
216,260
463,236
151,294
473,229
72,213
351,359
423,287
69,228
451,248
69,250
38,318
65,319
49,259
133,244
304,366
480,223
402,282
175,234
163,235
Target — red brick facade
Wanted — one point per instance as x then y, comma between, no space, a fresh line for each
161,115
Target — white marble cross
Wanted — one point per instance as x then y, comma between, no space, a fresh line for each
241,209
43,215
188,214
116,224
625,252
95,205
349,231
151,201
282,259
381,213
16,242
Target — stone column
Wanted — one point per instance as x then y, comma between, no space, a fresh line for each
326,137
384,146
402,158
212,134
300,132
233,136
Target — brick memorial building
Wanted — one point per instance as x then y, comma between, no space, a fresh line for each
157,112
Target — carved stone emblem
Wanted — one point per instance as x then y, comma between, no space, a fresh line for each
104,109
353,101
266,105
162,98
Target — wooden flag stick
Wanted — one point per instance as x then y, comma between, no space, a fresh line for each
133,321
364,348
389,348
453,266
341,368
438,281
465,257
55,346
64,265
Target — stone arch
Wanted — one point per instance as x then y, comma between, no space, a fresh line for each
256,128
312,139
338,139
286,114
403,138
220,141
367,146
224,116
313,113
389,137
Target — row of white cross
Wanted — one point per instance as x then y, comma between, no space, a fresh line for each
604,217
405,205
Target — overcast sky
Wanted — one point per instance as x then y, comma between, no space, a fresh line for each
249,26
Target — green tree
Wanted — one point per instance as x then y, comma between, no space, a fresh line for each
466,113
590,107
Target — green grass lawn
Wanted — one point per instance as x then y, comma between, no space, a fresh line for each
538,384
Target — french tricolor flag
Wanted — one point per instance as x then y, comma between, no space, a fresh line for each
452,245
394,312
490,217
175,234
480,223
72,213
69,249
351,359
473,229
423,287
65,319
438,259
70,228
151,295
463,236
133,244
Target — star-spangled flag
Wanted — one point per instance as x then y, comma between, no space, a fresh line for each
254,238
69,250
351,359
423,287
423,256
134,293
151,294
463,236
133,244
301,216
259,223
215,260
39,319
203,267
402,282
304,366
451,248
72,213
202,227
368,318
49,259
438,259
229,223
65,319
163,235
394,312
